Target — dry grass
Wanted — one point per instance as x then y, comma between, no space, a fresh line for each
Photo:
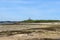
30,33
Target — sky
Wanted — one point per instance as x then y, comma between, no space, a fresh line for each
16,10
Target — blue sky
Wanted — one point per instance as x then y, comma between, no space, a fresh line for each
23,9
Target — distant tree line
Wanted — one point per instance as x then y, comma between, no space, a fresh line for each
38,21
28,21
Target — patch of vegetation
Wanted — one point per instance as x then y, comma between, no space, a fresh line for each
53,28
39,21
13,32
